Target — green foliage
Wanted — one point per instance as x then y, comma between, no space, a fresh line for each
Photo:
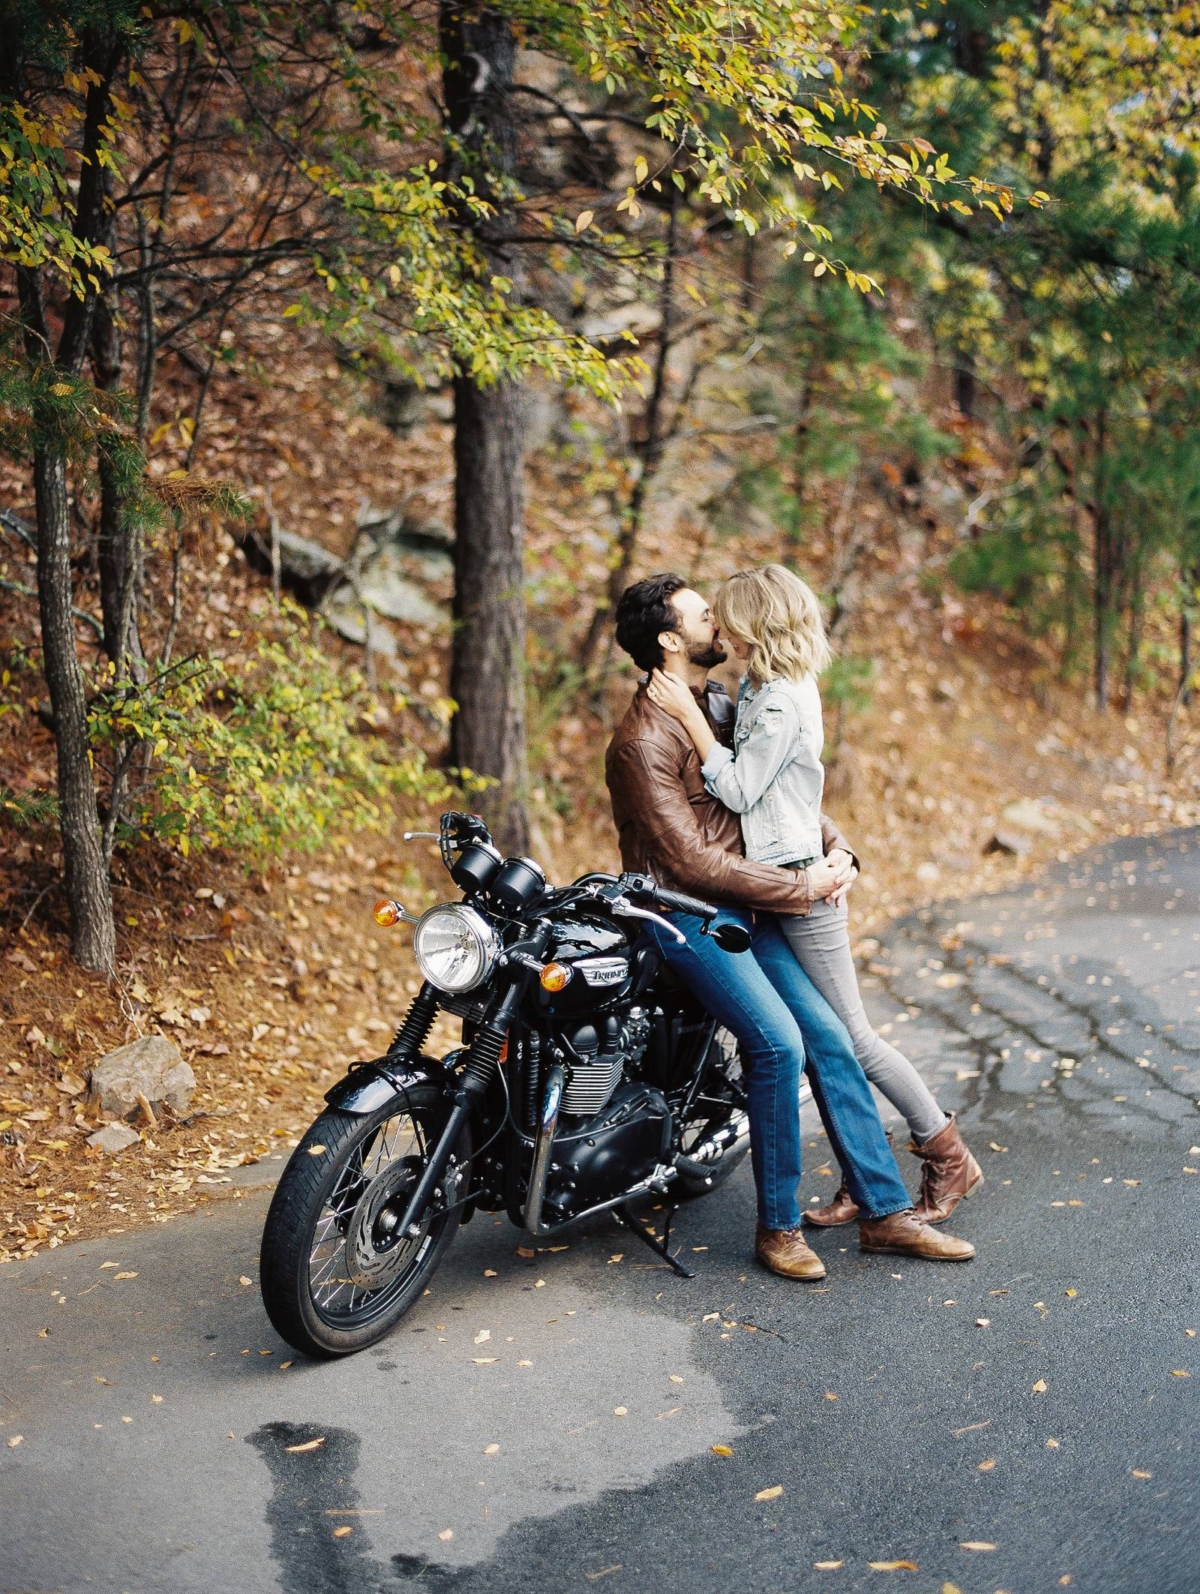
264,753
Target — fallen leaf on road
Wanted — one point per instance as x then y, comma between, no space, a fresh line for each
986,1466
446,1535
525,1251
675,1378
100,1380
490,1273
483,1336
995,1147
664,1415
1071,1293
722,1450
950,1588
620,1411
973,1427
1040,1387
302,1450
156,1400
125,1275
244,1280
491,1450
1051,1444
983,1322
15,1440
711,1317
893,1566
772,1493
540,1284
44,1333
283,1366
829,1395
605,1571
342,1532
619,1257
1178,1372
524,1364
1139,1473
827,1566
484,1361
976,1544
126,1419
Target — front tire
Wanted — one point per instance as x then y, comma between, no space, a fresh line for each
335,1274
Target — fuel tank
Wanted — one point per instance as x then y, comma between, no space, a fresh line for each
598,955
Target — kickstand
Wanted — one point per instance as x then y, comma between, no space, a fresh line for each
635,1226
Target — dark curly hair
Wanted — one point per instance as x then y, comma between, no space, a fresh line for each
643,611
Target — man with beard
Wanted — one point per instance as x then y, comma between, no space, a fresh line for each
672,828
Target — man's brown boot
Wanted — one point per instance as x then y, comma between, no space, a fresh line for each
903,1234
784,1252
949,1176
842,1209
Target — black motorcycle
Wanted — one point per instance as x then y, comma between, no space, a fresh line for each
588,1080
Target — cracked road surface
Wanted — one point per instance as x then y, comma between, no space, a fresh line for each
1032,1403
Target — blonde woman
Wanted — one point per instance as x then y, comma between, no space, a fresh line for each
774,779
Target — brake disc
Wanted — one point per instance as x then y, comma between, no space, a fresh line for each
376,1252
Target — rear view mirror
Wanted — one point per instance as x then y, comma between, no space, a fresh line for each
731,937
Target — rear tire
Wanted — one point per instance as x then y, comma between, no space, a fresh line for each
723,1077
334,1277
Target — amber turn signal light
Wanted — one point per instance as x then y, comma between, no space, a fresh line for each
387,912
554,976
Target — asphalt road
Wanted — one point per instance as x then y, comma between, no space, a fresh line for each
899,1427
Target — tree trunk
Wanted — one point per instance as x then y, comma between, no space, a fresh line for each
93,936
1137,608
1105,575
1189,580
487,668
487,663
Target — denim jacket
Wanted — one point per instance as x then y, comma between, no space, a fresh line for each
774,777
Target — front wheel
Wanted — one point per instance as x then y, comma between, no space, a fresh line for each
336,1273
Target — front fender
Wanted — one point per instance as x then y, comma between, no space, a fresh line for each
373,1085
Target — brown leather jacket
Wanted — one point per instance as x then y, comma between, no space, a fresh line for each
670,825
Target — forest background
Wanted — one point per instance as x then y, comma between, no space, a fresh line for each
353,358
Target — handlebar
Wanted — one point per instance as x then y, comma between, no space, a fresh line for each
642,886
676,902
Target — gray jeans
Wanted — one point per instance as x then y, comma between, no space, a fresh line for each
821,942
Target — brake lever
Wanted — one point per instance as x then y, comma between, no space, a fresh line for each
625,909
421,835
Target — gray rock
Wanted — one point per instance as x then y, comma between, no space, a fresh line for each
113,1138
1015,842
152,1067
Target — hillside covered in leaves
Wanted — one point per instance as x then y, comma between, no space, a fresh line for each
350,368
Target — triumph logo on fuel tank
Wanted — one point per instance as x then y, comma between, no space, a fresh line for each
604,971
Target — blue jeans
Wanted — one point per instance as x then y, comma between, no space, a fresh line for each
765,999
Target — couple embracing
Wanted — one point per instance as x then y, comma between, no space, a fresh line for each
726,806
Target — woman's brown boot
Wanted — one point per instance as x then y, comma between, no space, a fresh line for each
950,1174
842,1209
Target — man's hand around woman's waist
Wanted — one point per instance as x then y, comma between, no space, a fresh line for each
832,876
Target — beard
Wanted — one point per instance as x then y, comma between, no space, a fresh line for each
709,656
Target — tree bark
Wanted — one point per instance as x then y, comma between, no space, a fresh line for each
1190,580
487,665
487,669
85,874
93,935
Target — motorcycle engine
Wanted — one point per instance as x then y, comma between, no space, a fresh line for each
614,1150
601,1055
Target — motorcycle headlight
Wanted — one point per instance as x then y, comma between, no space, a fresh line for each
455,947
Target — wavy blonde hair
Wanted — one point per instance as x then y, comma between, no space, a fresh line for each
777,618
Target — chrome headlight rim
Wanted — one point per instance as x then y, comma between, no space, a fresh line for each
487,943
